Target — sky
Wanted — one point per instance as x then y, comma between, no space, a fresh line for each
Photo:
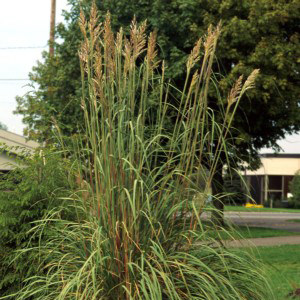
23,24
26,24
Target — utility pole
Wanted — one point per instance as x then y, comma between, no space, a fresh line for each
52,28
51,52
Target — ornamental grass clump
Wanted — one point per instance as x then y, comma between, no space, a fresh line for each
143,168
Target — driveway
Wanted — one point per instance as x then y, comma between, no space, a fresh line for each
268,220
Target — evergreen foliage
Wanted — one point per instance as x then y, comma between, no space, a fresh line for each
27,193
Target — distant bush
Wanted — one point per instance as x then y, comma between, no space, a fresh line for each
295,190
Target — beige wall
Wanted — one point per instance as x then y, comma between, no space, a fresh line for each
6,162
277,166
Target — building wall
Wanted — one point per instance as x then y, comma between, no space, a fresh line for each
255,187
265,188
272,179
277,166
6,162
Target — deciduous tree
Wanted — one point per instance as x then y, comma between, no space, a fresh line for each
260,34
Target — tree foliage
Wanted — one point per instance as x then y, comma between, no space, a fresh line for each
3,126
235,188
255,34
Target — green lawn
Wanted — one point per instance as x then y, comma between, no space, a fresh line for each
282,266
294,221
265,209
244,232
260,232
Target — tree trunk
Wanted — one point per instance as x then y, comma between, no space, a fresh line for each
217,192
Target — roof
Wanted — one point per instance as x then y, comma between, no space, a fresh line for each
278,164
14,140
18,143
280,155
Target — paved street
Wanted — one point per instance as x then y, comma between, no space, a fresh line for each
269,220
267,241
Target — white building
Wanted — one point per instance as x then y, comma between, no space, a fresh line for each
272,179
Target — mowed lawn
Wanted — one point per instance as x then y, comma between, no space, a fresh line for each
260,232
244,232
282,267
264,209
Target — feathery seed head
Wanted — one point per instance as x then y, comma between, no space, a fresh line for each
151,50
109,45
195,55
211,39
249,83
127,55
137,37
235,91
119,40
82,24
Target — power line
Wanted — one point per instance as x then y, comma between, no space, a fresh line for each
21,47
14,79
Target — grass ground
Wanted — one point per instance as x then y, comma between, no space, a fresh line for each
265,209
282,266
294,221
243,232
260,232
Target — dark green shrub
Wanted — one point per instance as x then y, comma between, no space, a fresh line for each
295,190
27,193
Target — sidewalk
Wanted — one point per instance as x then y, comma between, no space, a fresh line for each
270,241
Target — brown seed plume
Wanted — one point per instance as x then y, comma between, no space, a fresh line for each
235,91
151,50
137,37
195,55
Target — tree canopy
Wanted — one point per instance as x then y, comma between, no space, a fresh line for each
260,34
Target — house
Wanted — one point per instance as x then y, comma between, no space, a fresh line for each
271,181
18,142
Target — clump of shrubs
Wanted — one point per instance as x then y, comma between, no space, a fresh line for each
295,190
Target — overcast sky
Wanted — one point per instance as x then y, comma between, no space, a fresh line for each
23,24
27,24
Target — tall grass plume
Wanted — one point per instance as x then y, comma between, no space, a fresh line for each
143,170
